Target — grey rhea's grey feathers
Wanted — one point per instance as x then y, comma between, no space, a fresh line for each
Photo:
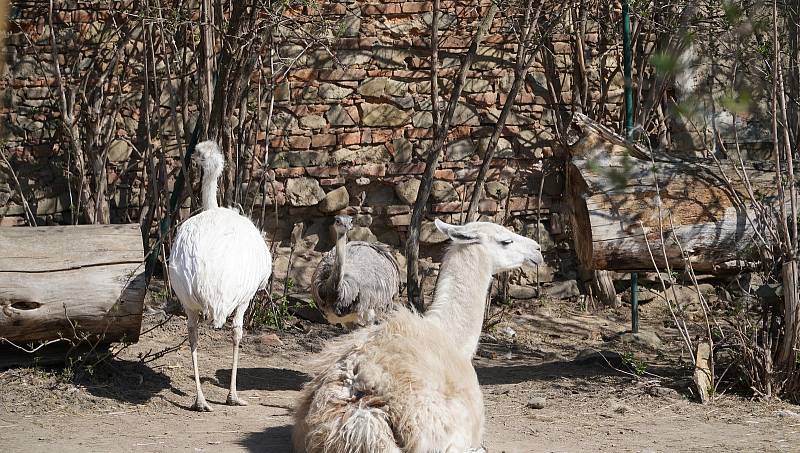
369,282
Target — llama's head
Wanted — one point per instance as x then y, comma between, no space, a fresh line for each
209,157
505,249
342,224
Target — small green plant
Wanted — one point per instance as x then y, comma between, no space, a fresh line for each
638,365
275,311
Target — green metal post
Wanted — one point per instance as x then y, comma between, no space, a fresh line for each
634,302
627,72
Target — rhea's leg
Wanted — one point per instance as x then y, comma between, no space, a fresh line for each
200,402
238,319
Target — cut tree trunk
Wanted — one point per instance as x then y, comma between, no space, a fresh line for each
617,211
77,282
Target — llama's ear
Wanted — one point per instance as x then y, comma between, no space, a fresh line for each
456,233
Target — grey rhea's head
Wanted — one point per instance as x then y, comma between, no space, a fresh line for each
342,223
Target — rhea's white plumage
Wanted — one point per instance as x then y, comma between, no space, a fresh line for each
218,262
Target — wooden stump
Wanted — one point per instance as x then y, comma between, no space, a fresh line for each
703,374
78,282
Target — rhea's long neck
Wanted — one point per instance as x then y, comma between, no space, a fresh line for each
458,302
341,242
209,190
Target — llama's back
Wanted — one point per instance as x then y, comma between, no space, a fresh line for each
218,262
393,387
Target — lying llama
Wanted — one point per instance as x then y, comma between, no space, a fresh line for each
218,262
355,282
408,385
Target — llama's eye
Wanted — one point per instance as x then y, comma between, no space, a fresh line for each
507,241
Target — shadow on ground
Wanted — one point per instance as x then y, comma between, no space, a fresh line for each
501,374
275,439
263,379
123,380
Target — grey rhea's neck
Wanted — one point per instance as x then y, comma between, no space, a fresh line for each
340,257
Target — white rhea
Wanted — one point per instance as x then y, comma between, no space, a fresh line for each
355,282
408,385
218,262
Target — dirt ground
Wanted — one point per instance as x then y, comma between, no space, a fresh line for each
591,403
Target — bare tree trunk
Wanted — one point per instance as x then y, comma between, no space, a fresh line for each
791,316
521,67
205,65
434,154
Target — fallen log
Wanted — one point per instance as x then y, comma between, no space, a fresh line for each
622,200
76,282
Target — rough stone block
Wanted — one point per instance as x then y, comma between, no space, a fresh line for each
444,174
304,191
312,122
335,200
476,85
290,172
406,191
406,169
297,159
429,234
349,138
342,74
364,154
119,151
402,150
340,116
449,207
442,191
392,58
322,172
385,115
331,92
496,190
503,149
422,120
373,170
322,140
299,142
399,209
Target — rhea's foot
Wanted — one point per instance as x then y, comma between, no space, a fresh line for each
234,400
200,405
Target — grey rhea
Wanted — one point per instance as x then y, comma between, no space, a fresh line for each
356,281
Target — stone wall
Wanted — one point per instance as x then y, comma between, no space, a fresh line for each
350,129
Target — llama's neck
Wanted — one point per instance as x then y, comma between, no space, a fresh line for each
338,264
209,189
460,296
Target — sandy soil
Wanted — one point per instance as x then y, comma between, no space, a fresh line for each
590,404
